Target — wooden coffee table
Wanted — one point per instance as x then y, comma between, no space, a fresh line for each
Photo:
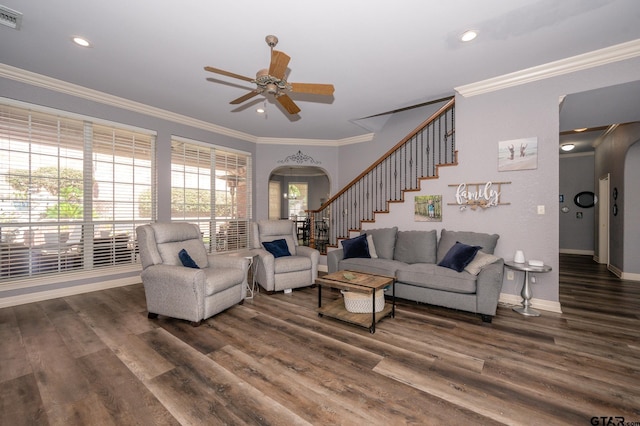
361,283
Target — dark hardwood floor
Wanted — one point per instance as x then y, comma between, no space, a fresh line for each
96,359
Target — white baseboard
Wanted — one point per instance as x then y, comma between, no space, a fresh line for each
574,251
541,304
323,268
67,291
630,276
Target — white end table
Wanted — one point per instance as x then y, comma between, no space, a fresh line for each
526,293
252,287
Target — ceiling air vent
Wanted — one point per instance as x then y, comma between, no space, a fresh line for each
10,17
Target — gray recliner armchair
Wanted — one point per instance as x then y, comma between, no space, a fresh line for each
188,293
300,269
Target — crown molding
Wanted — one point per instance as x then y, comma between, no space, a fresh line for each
39,80
596,58
316,142
67,88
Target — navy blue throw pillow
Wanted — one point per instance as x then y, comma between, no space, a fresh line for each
278,248
187,260
459,256
356,247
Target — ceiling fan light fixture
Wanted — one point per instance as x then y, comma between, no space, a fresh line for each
567,147
272,88
468,35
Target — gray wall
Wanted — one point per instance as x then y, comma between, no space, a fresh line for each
576,175
631,212
482,121
615,157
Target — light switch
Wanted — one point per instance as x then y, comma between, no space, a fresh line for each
540,209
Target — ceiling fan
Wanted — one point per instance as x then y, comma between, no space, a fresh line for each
273,81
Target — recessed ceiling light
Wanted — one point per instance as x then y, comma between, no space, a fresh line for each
567,147
260,110
80,41
468,35
580,130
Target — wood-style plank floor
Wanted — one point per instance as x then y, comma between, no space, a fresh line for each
95,359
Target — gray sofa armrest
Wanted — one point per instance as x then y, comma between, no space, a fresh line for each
175,291
489,285
333,258
226,261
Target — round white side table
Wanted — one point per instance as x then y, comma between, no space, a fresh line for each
526,293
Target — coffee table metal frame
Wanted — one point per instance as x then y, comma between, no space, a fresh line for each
361,283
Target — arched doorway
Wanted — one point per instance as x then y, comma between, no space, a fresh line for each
287,196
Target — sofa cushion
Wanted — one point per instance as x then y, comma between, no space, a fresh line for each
384,240
356,247
372,266
219,279
480,261
186,260
416,246
459,256
448,239
278,248
436,277
292,264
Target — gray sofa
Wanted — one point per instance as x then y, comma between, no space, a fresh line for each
413,257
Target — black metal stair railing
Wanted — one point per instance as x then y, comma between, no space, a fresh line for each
401,169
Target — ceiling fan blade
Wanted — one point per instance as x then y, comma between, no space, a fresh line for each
243,98
288,104
315,89
278,66
227,73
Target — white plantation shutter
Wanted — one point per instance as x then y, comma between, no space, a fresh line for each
71,192
211,187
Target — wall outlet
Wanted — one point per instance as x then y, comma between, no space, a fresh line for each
510,275
540,209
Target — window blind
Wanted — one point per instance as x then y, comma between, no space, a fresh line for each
211,187
71,192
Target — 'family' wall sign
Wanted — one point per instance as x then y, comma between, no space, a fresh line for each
474,195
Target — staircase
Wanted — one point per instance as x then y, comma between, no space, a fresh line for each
401,169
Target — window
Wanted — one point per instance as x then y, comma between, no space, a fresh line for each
71,192
211,187
298,199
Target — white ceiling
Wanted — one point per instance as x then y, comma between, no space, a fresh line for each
379,55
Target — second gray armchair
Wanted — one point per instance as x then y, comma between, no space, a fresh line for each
298,267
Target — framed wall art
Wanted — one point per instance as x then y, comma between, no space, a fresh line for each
518,154
428,208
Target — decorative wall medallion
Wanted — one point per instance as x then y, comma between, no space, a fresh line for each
615,193
474,195
615,210
299,158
